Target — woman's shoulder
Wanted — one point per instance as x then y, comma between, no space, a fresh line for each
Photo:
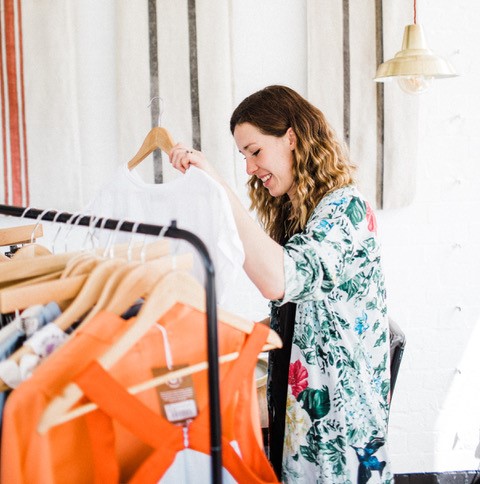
345,202
338,200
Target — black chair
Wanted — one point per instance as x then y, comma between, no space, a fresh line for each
397,346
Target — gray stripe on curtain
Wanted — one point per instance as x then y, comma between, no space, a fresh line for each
154,91
363,99
168,78
345,42
195,102
380,103
346,72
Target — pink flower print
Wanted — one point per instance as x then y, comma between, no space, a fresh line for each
371,220
297,378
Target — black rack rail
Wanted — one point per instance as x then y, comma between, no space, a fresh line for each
212,334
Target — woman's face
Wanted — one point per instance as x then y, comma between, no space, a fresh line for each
269,158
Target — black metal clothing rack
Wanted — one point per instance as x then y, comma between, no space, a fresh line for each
212,334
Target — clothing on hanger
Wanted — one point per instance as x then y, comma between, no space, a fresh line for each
64,453
180,451
14,335
87,294
198,204
26,451
177,287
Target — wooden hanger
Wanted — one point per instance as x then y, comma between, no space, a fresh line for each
85,290
89,294
31,280
29,251
47,288
20,270
43,292
32,249
20,234
51,418
85,299
127,287
157,138
83,266
110,287
175,287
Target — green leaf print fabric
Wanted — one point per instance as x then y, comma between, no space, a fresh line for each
338,382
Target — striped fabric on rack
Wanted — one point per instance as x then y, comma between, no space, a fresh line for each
13,139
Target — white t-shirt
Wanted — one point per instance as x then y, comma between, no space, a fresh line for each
198,204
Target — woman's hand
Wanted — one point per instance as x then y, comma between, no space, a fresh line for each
263,256
182,157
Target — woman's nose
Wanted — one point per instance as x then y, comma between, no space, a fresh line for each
251,167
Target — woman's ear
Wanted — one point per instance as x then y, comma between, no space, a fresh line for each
292,138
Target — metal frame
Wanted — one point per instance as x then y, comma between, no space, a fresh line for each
212,333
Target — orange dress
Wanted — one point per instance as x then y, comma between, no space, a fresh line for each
168,440
65,454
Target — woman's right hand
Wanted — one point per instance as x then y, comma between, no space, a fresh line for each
182,157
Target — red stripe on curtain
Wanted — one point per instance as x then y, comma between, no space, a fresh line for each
15,154
22,92
3,119
15,159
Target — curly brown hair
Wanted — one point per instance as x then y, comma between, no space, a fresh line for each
320,161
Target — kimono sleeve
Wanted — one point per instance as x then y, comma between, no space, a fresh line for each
316,260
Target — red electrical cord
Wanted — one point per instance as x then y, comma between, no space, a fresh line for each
414,11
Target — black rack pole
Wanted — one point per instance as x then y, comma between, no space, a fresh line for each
211,305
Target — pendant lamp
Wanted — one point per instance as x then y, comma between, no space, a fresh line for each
415,66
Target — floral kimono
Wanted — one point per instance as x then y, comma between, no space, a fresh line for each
338,380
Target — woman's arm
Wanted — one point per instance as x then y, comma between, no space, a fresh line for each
263,256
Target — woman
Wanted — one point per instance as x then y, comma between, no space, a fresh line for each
318,262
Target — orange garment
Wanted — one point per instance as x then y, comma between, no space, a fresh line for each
26,455
64,454
168,439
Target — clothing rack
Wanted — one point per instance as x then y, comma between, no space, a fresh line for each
212,337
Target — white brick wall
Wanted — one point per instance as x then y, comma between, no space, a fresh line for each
432,262
431,248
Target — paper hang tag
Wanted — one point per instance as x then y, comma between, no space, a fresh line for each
177,397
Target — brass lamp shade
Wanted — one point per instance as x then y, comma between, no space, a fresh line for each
415,59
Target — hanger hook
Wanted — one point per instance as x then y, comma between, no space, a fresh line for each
163,231
71,225
161,105
111,251
144,250
130,245
54,221
161,234
111,238
39,219
25,212
90,232
107,245
101,225
76,223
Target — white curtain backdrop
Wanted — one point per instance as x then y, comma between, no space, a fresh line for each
87,84
214,78
70,84
348,96
401,117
